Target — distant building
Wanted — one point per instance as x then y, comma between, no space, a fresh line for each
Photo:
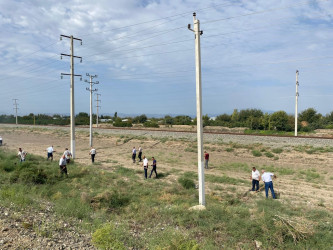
105,120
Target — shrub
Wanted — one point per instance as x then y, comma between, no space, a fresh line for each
107,237
277,150
186,182
151,125
29,175
256,153
269,154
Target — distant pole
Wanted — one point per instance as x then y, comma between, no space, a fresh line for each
296,102
91,90
16,108
97,106
72,103
201,173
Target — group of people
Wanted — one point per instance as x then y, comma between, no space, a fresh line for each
144,161
134,154
64,159
266,177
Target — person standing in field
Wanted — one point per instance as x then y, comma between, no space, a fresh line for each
145,166
92,153
21,154
267,179
50,152
255,177
133,154
206,159
154,168
62,165
68,155
140,154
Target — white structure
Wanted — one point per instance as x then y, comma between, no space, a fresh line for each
296,102
201,174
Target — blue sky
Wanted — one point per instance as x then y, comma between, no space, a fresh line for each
143,55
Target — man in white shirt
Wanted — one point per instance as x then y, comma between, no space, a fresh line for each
68,155
140,154
50,151
267,179
255,179
21,154
0,140
133,154
92,154
62,165
145,166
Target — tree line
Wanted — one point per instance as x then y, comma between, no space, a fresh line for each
254,119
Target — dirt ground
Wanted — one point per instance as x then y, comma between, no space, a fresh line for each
178,156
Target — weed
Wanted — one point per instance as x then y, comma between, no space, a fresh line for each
277,150
256,153
269,154
186,182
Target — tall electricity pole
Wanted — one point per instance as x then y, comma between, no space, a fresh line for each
296,102
16,108
72,113
201,174
91,90
97,106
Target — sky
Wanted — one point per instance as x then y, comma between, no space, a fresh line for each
144,55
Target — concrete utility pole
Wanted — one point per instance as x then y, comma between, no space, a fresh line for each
16,108
296,102
97,106
91,90
201,174
72,113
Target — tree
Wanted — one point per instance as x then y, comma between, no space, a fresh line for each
279,121
168,120
140,119
310,115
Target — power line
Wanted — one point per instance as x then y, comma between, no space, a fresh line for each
154,20
259,12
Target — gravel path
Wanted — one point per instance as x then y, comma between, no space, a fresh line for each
270,141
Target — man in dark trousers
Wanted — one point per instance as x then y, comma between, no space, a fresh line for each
133,154
62,165
154,168
140,154
206,159
145,165
92,154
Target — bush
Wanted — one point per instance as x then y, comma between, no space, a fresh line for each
107,237
269,154
186,182
151,125
277,150
29,175
256,153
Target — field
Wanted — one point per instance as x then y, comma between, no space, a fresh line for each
120,209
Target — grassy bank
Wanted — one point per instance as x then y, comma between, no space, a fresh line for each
124,211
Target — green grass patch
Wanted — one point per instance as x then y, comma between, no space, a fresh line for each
123,211
256,153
